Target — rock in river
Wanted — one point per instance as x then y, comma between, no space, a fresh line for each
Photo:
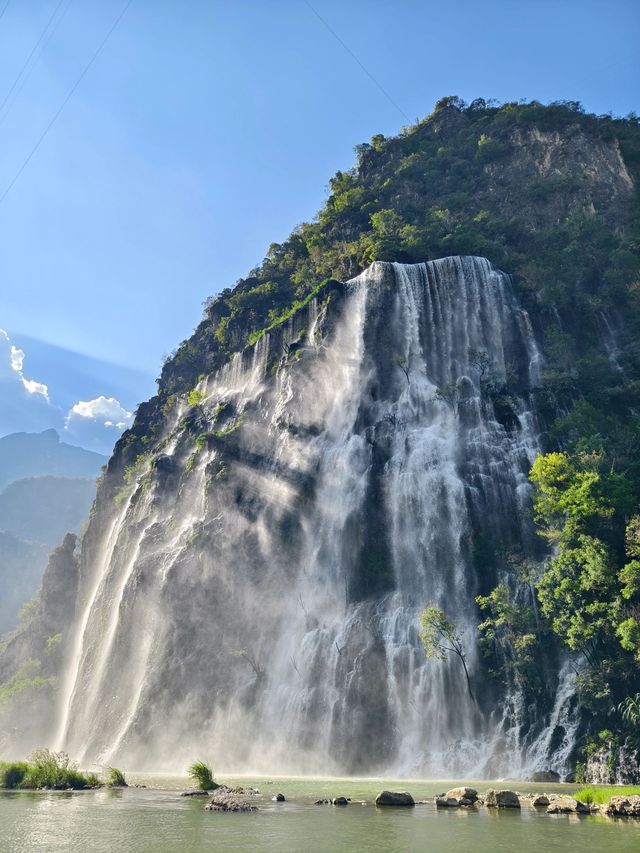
394,798
629,806
501,799
567,805
227,801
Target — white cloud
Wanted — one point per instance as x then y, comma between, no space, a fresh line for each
34,387
12,357
104,410
17,358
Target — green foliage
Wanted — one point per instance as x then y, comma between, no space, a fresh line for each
29,610
131,475
440,637
53,642
25,681
203,440
510,628
601,794
202,776
47,769
195,397
12,773
116,778
580,504
630,709
278,318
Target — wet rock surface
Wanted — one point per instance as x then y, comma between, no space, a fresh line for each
623,806
501,799
394,798
567,805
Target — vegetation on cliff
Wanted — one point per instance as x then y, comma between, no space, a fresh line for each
549,194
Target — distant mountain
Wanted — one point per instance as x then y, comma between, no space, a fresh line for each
46,490
21,566
25,454
43,509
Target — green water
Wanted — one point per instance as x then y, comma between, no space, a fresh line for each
156,818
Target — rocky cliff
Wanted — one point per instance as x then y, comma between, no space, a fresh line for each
326,456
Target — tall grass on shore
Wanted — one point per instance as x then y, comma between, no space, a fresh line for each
46,769
600,794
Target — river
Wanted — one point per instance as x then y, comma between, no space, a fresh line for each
156,818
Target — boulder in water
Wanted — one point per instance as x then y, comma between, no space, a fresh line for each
340,801
279,798
462,793
321,803
447,802
540,800
502,799
227,801
196,792
567,805
627,806
394,798
545,776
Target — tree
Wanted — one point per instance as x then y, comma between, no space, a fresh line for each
481,360
510,629
449,394
580,506
439,636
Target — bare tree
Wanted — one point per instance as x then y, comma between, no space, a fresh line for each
246,655
404,363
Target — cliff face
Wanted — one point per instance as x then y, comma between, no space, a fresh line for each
324,459
32,657
268,562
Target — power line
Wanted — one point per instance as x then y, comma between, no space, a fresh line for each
353,56
28,59
65,102
4,9
46,41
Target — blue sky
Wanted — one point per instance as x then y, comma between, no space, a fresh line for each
206,130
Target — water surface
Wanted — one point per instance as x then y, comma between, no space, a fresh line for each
156,818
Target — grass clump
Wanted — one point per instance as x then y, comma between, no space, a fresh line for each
12,773
602,794
195,397
116,778
202,776
46,769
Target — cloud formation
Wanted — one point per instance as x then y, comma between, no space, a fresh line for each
25,406
105,410
16,362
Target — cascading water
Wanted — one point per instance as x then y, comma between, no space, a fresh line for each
257,596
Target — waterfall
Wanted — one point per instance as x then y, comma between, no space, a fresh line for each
256,596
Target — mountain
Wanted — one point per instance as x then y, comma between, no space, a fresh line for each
426,397
22,563
45,508
46,490
24,454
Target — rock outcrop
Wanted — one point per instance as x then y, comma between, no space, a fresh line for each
623,806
